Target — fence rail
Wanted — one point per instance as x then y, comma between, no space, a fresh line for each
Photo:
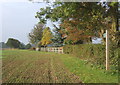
51,49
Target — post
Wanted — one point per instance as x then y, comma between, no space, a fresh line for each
107,50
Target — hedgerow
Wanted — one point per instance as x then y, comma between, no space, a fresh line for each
94,55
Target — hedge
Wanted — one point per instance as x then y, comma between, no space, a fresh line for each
94,54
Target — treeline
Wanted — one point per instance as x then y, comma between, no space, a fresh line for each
14,43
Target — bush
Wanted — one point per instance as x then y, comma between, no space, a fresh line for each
33,48
94,54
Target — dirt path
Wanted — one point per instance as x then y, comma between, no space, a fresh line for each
34,67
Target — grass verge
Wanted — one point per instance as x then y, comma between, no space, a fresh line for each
86,73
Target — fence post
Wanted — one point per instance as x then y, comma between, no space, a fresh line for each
62,50
58,50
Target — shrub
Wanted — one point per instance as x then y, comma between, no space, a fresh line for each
33,48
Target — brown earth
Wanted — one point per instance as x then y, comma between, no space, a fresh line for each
35,67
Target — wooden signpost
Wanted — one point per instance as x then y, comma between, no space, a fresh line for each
107,50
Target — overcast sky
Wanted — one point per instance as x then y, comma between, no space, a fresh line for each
17,19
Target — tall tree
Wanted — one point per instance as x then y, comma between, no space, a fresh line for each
111,17
57,37
47,36
114,13
13,43
36,34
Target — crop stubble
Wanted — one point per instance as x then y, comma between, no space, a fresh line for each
35,67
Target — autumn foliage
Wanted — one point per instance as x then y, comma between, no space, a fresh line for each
47,36
72,32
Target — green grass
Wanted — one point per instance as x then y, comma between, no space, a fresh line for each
24,66
86,73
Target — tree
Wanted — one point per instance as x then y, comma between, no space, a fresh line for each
28,46
47,36
113,13
73,34
13,43
57,37
110,22
22,46
3,45
36,34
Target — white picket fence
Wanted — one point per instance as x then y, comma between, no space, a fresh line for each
52,49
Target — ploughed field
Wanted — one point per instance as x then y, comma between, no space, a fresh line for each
25,66
35,67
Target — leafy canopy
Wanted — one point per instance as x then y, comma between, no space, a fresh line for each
90,19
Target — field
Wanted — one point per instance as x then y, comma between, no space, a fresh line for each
24,66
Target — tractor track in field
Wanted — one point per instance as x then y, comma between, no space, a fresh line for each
63,74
